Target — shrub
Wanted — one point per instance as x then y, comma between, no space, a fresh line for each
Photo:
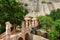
54,33
57,25
55,14
45,22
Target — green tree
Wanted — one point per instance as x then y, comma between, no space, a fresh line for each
54,33
45,22
12,11
57,25
2,28
55,14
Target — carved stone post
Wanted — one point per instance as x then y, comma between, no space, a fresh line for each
23,26
8,25
27,21
30,24
36,22
33,22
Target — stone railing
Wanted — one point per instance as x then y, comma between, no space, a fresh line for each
27,25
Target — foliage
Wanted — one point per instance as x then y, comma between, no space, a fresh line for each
2,28
12,11
57,25
45,22
55,30
51,22
49,2
55,14
43,2
53,34
30,17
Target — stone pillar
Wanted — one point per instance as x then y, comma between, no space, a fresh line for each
23,26
27,19
26,23
36,22
33,22
8,25
30,25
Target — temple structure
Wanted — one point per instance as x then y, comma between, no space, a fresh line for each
25,33
36,8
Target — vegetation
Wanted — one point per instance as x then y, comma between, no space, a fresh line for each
45,22
54,33
49,2
51,22
57,26
55,14
43,2
12,11
2,28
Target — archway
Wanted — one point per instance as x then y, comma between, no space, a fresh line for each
20,38
27,36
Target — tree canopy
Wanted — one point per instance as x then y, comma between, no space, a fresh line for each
52,23
45,22
55,14
12,11
57,25
54,33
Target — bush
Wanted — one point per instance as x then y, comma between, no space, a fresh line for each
55,14
51,22
54,33
43,2
57,25
2,28
45,22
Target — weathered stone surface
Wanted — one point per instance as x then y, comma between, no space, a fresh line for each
36,37
25,30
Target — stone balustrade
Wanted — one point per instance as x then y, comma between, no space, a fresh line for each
27,25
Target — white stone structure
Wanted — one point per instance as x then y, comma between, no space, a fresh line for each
27,25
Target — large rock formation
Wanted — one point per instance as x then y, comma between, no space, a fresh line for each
43,9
